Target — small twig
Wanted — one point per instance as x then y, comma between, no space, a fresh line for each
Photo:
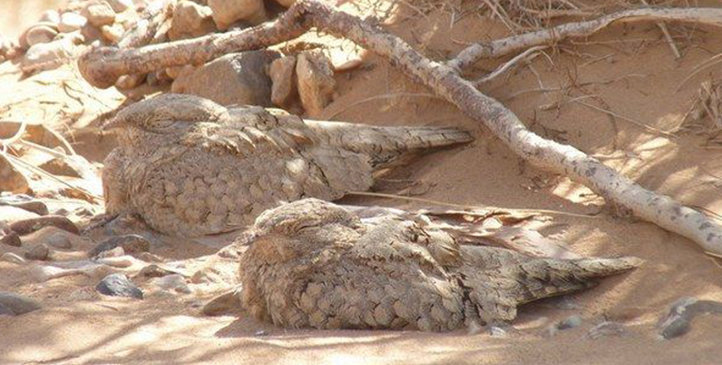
469,207
665,31
635,122
500,47
506,66
707,63
19,134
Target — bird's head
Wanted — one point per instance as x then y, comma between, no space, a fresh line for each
300,228
167,114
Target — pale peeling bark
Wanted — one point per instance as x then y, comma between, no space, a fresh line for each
505,46
102,66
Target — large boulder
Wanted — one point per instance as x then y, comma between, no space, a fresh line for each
237,78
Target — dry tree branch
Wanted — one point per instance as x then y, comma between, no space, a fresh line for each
103,65
504,46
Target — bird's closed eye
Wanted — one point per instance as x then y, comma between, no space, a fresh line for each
159,125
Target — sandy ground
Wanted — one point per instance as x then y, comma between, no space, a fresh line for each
627,69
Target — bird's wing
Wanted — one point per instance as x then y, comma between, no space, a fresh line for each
385,280
498,280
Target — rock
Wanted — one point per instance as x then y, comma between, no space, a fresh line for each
286,3
283,79
227,12
115,252
678,320
13,258
50,16
120,261
238,78
172,282
8,48
25,202
566,323
120,6
315,81
47,56
40,34
91,34
127,82
149,257
11,239
131,243
70,22
206,276
606,329
25,226
10,178
38,252
179,71
99,13
43,273
59,240
17,304
155,271
158,78
190,20
498,332
225,303
344,55
112,33
570,322
120,286
10,214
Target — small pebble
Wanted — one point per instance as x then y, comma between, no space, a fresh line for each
25,226
131,243
116,252
11,257
570,322
260,333
11,239
39,252
606,329
99,14
173,282
155,271
15,304
120,286
40,34
497,332
70,22
59,240
50,16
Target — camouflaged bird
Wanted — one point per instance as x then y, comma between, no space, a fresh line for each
190,167
311,263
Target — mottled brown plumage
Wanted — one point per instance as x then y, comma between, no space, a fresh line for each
189,166
311,263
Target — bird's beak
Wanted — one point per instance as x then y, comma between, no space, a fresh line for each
111,124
